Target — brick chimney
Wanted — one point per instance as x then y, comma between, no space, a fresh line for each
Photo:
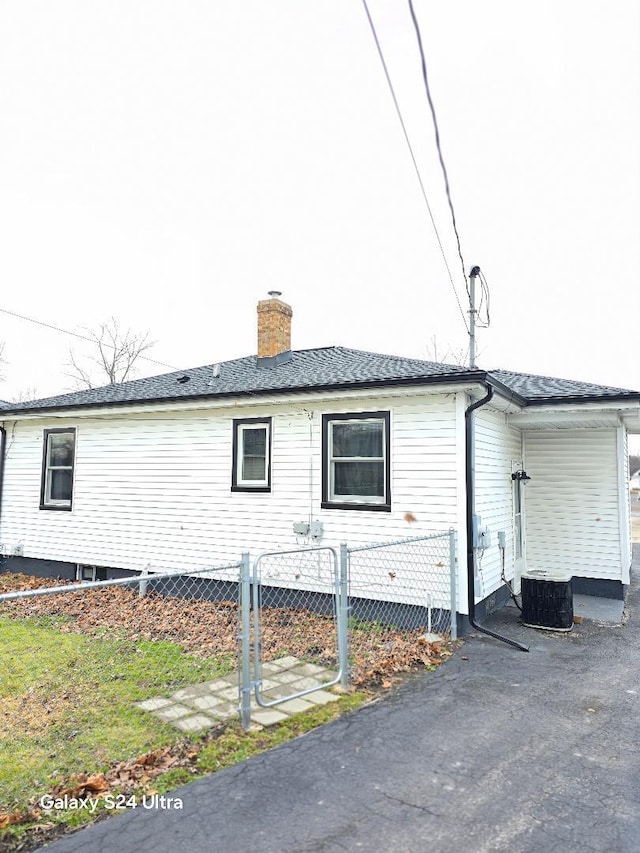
274,331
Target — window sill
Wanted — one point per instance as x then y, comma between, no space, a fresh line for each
261,489
357,506
55,508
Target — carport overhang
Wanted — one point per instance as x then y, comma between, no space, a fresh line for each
596,415
614,416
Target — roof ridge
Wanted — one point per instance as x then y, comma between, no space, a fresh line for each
405,358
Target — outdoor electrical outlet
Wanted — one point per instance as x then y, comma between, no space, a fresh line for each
485,539
477,521
316,529
301,528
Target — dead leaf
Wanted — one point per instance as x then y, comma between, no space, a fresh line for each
7,818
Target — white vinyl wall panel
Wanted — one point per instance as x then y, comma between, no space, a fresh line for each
155,489
624,502
498,446
572,505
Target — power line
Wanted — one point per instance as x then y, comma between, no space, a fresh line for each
437,132
413,159
486,301
77,335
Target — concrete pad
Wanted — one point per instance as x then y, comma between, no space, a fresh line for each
191,692
268,683
321,697
231,693
309,669
295,706
205,703
154,704
268,717
300,672
222,683
173,712
285,663
278,693
223,711
217,700
196,723
605,610
286,677
304,684
271,667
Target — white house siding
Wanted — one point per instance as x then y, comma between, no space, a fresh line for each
498,446
624,503
154,488
572,507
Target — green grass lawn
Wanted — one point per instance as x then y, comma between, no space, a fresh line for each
68,701
68,707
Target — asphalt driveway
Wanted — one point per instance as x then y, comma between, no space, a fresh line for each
495,751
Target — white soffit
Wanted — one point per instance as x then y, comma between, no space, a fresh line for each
591,416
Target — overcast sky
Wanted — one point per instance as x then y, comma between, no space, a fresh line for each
170,162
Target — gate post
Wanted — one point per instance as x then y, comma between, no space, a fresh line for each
453,571
245,640
343,616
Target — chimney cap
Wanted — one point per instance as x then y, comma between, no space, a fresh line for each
274,293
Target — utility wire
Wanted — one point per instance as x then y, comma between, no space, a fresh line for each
486,301
438,146
413,159
79,336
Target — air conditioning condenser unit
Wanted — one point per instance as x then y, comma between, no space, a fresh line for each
547,599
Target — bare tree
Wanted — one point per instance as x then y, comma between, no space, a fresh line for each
3,360
113,357
25,395
447,354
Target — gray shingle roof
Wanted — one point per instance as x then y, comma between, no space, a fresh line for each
315,369
535,389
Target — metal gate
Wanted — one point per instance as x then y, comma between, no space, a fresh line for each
283,584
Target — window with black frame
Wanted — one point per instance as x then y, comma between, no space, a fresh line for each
356,461
251,470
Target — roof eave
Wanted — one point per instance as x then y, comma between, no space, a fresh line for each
475,376
583,398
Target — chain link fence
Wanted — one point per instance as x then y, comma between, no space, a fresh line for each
406,583
93,674
298,611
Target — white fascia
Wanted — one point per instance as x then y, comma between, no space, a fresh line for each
245,401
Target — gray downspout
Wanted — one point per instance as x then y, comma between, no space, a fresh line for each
470,490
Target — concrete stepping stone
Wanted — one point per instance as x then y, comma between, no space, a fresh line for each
198,707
